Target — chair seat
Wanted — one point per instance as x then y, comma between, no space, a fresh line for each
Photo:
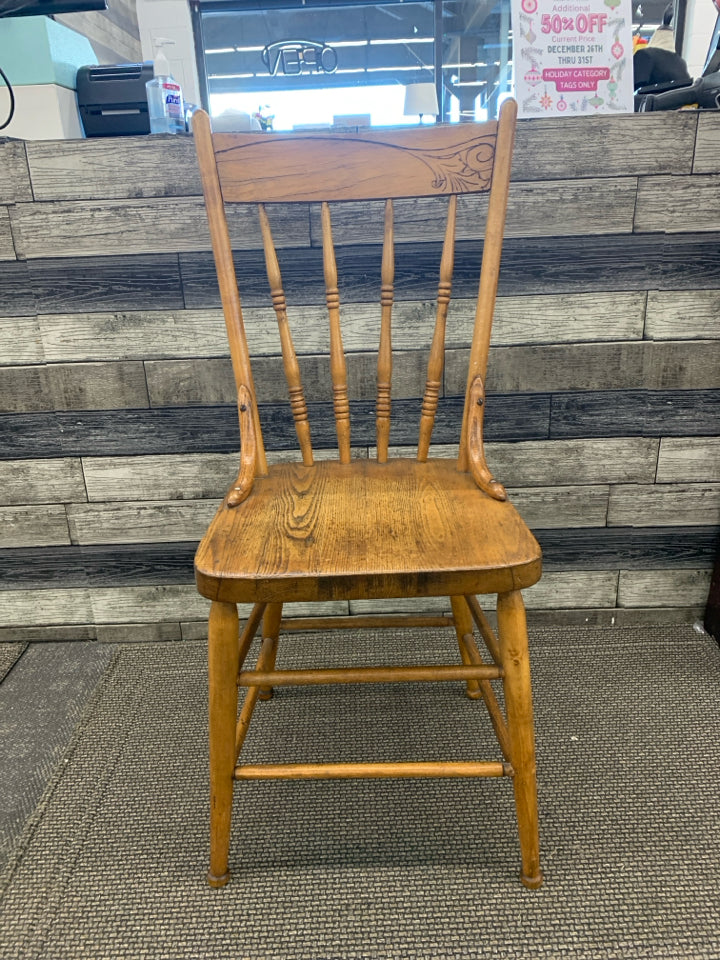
365,530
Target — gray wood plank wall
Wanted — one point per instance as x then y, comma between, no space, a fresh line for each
118,434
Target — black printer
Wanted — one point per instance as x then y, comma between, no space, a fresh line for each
112,99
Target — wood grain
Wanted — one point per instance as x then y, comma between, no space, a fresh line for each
171,477
41,481
111,227
530,265
146,604
689,364
640,144
114,169
20,341
25,389
707,144
36,608
546,368
571,506
672,205
7,247
331,552
29,526
553,208
195,333
15,182
635,413
131,335
79,284
98,386
663,588
694,504
140,522
17,297
688,460
699,310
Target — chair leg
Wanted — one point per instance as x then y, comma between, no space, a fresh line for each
464,624
512,629
223,665
271,630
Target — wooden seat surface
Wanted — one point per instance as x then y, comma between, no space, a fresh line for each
336,531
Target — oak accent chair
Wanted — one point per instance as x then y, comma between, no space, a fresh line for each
364,528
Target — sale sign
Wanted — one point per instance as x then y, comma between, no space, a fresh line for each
572,57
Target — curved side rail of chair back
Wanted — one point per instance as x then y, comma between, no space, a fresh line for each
418,162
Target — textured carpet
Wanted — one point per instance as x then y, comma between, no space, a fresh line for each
112,861
10,653
42,699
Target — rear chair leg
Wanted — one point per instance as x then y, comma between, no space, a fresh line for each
271,630
223,665
464,624
512,629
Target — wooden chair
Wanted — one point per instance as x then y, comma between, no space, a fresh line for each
381,528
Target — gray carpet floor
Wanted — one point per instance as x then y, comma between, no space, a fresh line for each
111,862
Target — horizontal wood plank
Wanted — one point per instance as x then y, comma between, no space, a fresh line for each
113,168
20,341
140,522
694,504
707,145
688,460
683,315
112,227
15,181
684,365
98,386
663,588
185,334
635,413
7,247
17,296
21,608
41,481
547,368
162,563
588,207
640,144
674,205
33,526
531,265
79,284
25,389
571,506
76,386
610,548
542,463
132,335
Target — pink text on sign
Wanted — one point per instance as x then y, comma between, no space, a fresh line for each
576,78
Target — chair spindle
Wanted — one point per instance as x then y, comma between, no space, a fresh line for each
436,360
290,361
338,366
384,368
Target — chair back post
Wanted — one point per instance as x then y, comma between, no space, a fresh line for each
222,252
489,273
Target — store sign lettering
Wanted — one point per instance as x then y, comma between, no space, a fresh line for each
293,57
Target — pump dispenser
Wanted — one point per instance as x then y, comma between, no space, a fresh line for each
164,96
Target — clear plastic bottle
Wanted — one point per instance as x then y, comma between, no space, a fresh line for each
164,96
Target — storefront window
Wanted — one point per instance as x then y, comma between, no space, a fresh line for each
309,63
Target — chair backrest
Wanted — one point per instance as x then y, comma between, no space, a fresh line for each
320,169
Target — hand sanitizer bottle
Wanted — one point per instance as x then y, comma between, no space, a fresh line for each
164,96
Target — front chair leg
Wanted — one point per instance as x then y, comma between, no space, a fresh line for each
271,631
223,665
512,629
